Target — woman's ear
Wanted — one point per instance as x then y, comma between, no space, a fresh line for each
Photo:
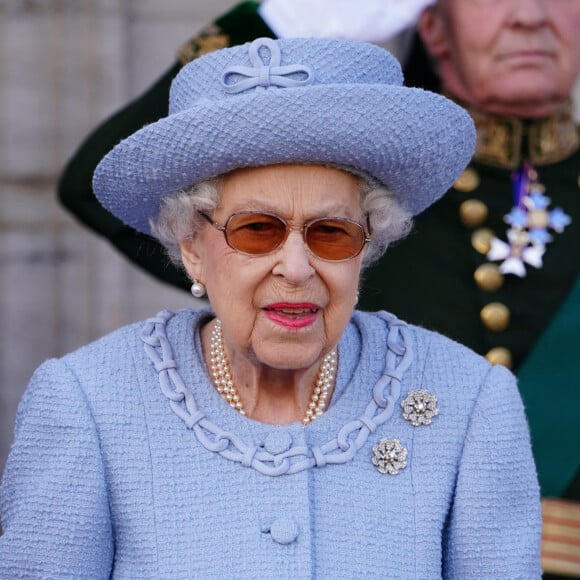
192,257
433,32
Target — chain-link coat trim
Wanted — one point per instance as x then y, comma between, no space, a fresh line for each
340,449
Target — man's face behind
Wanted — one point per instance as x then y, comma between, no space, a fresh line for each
513,57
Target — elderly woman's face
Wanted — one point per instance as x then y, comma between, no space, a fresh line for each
288,308
514,57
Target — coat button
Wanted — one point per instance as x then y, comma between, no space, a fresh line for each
467,181
473,212
500,356
277,442
495,316
481,240
488,277
284,530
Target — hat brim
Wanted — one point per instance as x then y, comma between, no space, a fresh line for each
414,142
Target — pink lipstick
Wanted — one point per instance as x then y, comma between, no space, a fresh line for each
292,314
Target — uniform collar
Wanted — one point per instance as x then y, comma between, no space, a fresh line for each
508,141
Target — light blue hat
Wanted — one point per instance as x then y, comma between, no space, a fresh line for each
326,101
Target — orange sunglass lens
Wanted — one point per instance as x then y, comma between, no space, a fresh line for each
334,239
255,233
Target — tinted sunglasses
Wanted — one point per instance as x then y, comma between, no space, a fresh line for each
256,233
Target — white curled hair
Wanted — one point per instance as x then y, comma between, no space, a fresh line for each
179,219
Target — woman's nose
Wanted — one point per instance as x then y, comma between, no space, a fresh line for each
293,259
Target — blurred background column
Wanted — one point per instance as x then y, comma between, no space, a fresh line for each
65,65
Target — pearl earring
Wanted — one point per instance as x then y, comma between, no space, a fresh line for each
197,289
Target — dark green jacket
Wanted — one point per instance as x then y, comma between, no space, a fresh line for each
428,279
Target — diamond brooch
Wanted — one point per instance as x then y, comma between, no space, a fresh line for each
419,407
389,456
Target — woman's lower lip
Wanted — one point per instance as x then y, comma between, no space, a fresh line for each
291,320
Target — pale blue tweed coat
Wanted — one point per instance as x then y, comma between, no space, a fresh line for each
115,474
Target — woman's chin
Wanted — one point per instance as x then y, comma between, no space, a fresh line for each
288,357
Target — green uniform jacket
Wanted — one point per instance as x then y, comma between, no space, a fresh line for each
428,279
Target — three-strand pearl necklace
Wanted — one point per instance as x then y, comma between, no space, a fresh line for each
222,376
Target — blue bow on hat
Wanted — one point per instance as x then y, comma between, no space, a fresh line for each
265,74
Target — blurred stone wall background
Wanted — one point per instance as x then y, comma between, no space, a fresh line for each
65,65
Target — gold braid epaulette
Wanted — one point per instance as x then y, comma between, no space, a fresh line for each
209,39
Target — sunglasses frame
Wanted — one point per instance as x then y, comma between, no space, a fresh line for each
366,237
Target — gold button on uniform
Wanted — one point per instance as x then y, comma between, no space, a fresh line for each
473,213
488,277
481,240
500,356
495,316
467,181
